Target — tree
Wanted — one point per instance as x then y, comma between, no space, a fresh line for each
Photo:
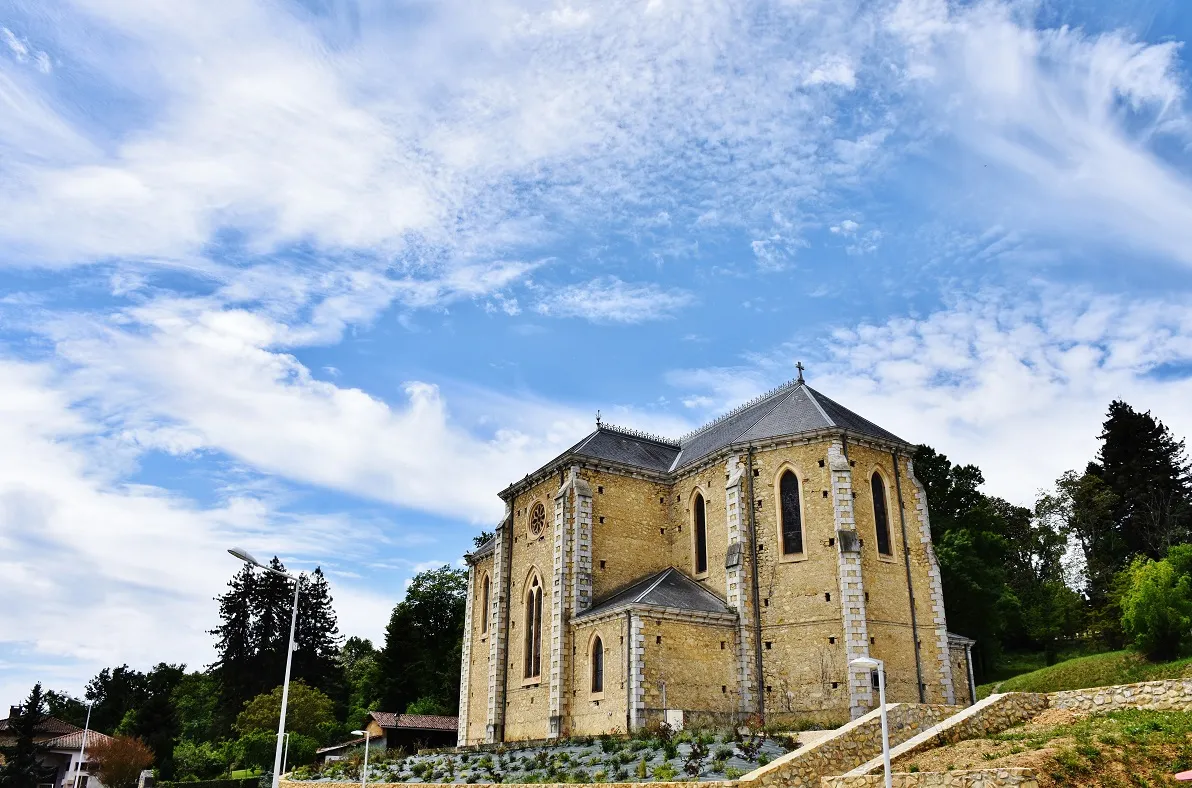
1082,508
115,692
196,704
307,711
155,721
255,750
22,765
121,760
66,707
421,656
235,646
317,639
480,539
199,760
1157,608
360,663
1148,471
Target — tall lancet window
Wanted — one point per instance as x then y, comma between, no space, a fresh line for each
484,604
534,628
881,514
792,514
597,665
699,516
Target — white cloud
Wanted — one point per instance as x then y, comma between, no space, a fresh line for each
846,227
609,300
1063,128
834,71
99,571
1014,383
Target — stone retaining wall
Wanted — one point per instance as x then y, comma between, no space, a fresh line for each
991,715
1170,695
851,745
977,778
673,784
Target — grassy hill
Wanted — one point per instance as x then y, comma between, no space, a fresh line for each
1098,670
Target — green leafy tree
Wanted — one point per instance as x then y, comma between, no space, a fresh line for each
306,711
480,539
423,641
115,692
200,760
360,662
22,765
1157,608
1082,508
66,707
302,750
255,750
196,703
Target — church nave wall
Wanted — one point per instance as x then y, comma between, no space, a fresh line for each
595,713
628,541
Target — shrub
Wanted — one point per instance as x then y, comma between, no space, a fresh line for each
696,755
664,771
733,773
1157,608
670,748
121,760
643,770
199,760
723,753
762,759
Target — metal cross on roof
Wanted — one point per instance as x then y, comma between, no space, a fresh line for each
799,367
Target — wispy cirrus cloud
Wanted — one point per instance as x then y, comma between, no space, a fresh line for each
610,300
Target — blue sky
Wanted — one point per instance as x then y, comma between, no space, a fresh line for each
319,278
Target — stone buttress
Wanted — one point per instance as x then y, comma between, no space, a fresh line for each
735,581
852,589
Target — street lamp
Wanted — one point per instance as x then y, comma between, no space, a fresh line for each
83,748
871,664
247,558
364,774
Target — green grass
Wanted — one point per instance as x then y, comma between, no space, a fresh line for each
1097,670
240,774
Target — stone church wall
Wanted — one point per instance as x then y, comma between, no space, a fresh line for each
528,700
595,713
688,657
627,541
478,653
709,482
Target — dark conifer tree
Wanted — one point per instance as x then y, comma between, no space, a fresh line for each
236,647
1148,471
22,765
317,637
272,603
155,720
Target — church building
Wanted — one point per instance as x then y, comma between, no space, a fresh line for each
735,571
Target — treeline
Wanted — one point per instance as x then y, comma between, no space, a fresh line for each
200,724
1067,571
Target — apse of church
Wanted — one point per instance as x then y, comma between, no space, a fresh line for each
734,571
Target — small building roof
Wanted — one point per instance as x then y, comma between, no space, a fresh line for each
50,726
669,588
341,746
74,741
421,722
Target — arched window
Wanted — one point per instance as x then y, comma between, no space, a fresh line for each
881,514
701,534
791,513
597,665
534,628
486,590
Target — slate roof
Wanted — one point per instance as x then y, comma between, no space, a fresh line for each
668,588
341,746
792,409
422,722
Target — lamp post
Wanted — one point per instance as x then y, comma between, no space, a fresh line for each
83,748
247,558
285,758
871,664
364,773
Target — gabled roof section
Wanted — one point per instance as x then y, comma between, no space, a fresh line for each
790,409
50,726
73,741
669,588
628,447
